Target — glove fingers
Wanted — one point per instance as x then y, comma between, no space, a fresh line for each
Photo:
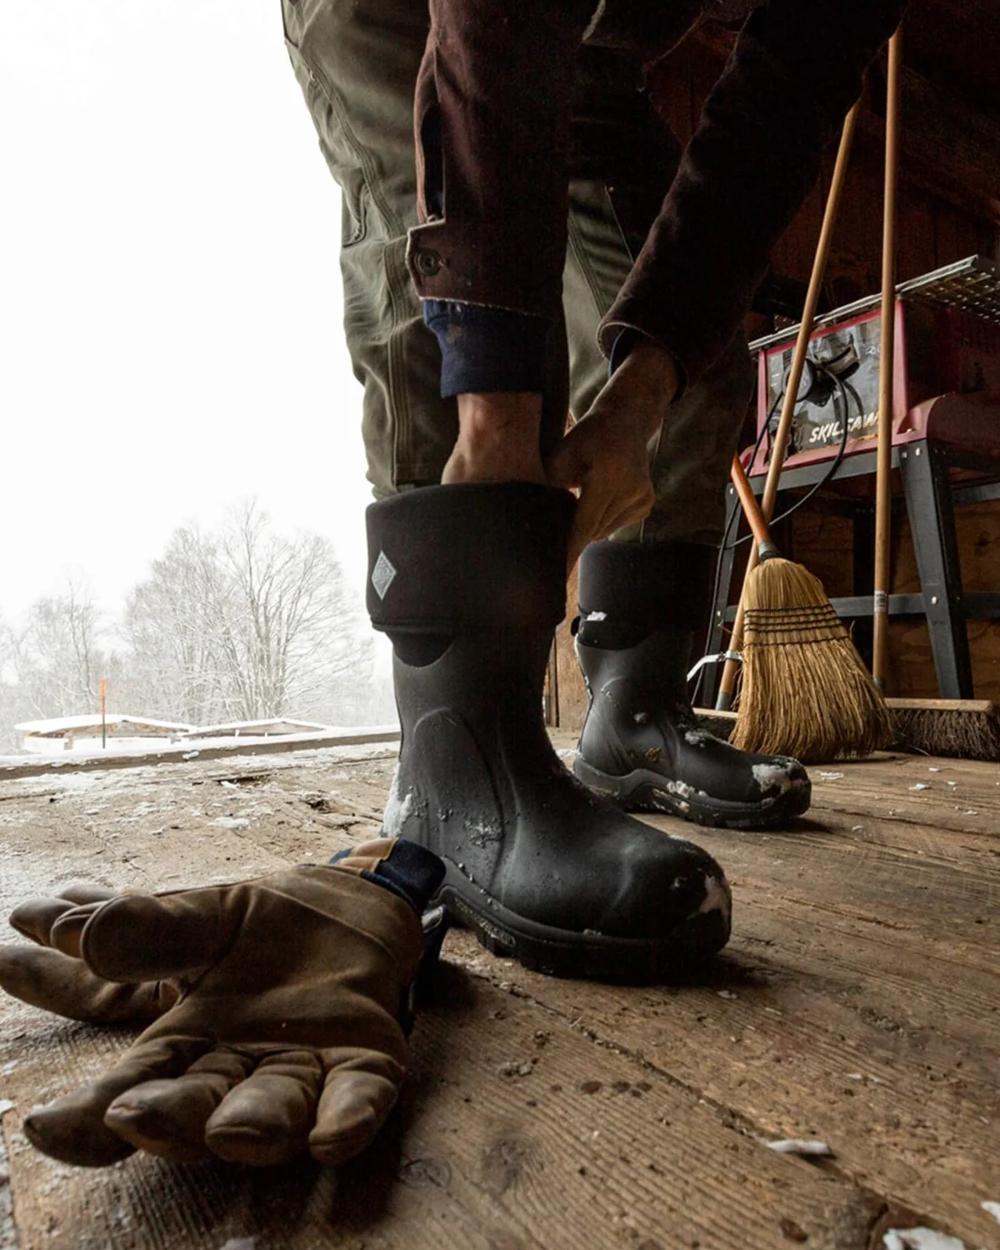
167,1117
142,937
352,1109
36,918
47,979
266,1120
72,1128
86,892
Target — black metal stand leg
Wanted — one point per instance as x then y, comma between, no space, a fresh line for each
932,524
863,575
716,634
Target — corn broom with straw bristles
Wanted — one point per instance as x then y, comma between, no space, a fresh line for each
806,692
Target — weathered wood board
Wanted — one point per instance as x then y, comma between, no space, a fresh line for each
857,1003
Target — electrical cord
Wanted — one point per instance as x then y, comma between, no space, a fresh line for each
828,477
724,544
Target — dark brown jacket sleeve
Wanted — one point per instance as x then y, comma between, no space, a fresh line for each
795,71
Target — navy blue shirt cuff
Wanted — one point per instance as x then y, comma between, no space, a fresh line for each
487,349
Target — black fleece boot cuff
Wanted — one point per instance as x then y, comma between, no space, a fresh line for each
628,590
447,559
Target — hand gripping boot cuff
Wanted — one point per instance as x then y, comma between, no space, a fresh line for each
469,583
641,605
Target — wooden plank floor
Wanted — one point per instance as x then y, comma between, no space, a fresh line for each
857,1003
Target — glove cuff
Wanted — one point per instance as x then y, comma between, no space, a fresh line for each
409,870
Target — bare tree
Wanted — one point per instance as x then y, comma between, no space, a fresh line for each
244,624
11,705
56,660
170,632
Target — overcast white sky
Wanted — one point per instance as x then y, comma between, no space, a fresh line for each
170,303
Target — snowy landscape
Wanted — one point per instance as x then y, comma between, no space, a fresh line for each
236,632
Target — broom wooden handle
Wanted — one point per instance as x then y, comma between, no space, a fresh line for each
727,686
748,502
883,458
784,430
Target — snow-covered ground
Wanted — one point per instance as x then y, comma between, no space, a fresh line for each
333,736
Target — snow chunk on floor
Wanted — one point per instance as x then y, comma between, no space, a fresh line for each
920,1239
807,1147
992,1208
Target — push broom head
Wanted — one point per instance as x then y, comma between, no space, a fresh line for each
805,691
966,728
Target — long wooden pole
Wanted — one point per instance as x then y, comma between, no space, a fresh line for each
727,686
883,460
816,279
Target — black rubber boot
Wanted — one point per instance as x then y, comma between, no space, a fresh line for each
469,582
641,605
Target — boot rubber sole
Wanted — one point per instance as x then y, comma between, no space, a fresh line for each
646,791
567,953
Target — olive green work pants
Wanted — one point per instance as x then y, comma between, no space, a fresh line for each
356,62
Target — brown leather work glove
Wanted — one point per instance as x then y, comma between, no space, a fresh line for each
280,1005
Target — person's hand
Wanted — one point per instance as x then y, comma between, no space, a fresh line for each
285,1030
608,464
605,457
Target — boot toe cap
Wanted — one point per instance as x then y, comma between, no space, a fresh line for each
774,775
668,883
698,888
686,909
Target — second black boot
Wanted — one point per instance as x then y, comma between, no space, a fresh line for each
641,607
469,582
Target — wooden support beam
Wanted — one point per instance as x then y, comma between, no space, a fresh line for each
950,144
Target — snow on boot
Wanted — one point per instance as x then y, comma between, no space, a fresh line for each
641,606
469,583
